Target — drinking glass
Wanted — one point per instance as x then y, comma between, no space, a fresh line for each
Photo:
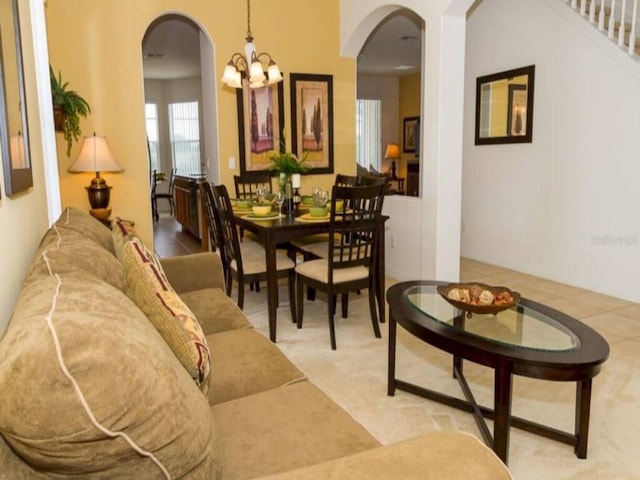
280,200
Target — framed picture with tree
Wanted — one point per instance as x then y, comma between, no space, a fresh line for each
260,125
312,120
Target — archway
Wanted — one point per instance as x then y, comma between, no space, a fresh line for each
180,100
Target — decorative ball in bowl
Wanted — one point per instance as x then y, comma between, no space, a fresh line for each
261,210
307,200
478,297
318,211
243,204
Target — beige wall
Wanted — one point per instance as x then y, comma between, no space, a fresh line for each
23,217
100,57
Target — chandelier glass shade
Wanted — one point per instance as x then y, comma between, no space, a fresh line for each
251,64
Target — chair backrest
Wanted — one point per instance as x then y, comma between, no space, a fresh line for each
172,180
209,210
345,180
354,228
247,184
226,228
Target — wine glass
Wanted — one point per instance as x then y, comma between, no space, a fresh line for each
280,200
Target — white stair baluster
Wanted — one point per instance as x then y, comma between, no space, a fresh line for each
612,19
574,4
592,11
583,7
632,33
601,16
622,29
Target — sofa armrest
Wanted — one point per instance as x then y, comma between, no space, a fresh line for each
452,455
187,273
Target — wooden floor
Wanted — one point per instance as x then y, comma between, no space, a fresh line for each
169,239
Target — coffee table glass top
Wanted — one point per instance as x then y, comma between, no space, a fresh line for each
519,326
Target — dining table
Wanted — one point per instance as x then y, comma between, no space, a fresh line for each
272,232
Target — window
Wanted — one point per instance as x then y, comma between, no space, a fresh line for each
151,117
368,143
184,130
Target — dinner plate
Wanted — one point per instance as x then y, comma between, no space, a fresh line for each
307,217
271,216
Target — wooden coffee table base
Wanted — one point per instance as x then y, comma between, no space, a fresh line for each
578,364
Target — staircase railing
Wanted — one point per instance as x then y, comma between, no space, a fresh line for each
618,19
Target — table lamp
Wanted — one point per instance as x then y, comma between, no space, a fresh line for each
96,157
393,154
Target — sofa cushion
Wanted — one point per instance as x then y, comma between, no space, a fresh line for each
149,289
90,389
247,362
122,231
90,228
296,425
214,310
65,250
449,455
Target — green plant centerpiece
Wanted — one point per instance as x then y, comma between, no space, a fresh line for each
68,107
286,164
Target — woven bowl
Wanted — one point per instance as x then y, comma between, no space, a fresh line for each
444,290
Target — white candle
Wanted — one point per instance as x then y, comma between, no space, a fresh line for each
296,179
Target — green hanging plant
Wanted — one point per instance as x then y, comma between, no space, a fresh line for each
68,107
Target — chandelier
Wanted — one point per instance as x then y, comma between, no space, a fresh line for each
250,64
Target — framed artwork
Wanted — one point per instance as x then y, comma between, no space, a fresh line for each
260,125
411,132
517,113
312,120
504,107
14,133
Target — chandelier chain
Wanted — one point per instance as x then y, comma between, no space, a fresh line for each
249,35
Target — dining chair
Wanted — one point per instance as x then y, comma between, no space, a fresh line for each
245,264
247,184
350,261
345,180
155,195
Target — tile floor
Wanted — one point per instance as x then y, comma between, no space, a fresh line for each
355,374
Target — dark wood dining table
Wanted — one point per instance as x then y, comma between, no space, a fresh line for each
274,232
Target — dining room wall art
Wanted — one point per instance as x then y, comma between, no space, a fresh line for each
312,120
14,132
260,125
410,134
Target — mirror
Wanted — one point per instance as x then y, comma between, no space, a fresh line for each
14,134
504,107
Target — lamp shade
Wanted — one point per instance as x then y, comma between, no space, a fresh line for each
393,151
95,157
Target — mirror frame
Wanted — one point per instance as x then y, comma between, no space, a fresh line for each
529,71
15,179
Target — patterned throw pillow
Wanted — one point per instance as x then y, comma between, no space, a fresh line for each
122,231
148,287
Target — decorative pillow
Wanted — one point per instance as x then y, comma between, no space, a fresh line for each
148,287
122,232
83,223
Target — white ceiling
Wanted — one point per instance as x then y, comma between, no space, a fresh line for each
171,48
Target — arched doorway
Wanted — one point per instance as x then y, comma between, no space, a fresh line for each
180,101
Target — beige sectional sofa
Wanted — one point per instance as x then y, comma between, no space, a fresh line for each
90,388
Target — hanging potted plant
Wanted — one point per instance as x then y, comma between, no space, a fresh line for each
68,107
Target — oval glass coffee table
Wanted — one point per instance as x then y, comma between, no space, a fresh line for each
529,339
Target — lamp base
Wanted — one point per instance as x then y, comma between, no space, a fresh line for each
100,213
99,193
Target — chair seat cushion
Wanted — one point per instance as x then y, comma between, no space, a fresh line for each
319,270
255,264
246,362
